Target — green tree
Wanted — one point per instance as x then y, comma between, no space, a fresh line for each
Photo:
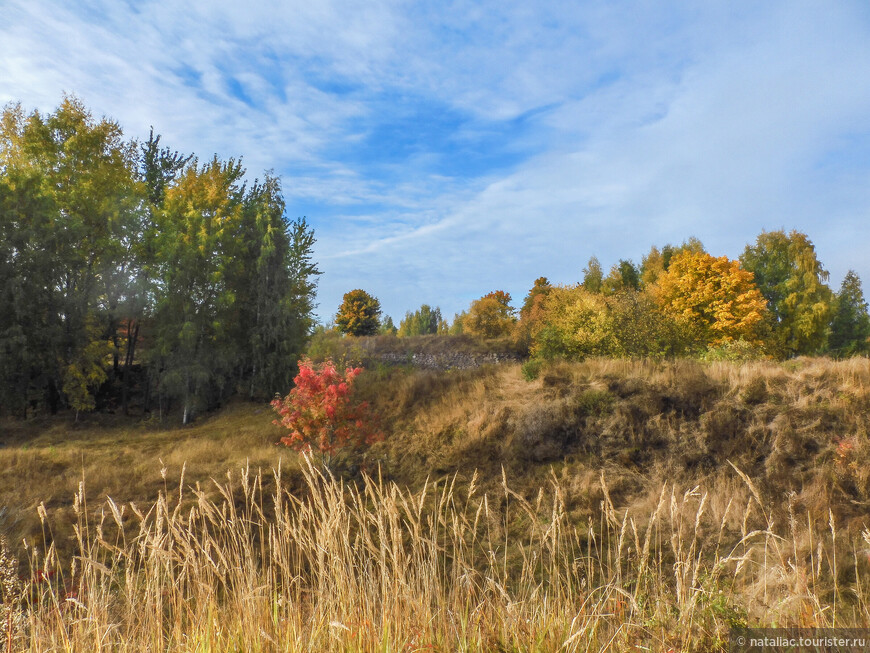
652,267
387,327
105,244
575,323
196,302
87,225
424,321
30,324
359,314
86,371
850,325
623,276
593,276
457,327
275,290
792,281
93,174
640,329
158,167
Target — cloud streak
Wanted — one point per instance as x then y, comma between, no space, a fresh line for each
442,151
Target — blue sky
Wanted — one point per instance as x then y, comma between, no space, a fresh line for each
442,150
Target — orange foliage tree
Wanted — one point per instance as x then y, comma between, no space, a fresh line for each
532,314
714,298
320,412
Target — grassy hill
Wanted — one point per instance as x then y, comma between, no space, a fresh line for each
603,506
797,429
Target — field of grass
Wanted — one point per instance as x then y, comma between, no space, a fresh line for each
608,505
46,459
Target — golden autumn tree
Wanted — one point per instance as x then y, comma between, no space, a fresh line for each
713,298
576,323
491,316
359,314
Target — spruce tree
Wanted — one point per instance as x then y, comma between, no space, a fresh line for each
850,326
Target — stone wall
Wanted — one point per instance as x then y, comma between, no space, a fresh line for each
446,360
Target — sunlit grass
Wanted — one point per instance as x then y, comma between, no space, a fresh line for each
592,509
373,566
47,459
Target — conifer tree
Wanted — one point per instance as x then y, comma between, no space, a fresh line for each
850,325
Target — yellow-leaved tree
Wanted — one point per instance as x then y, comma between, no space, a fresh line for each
491,316
713,298
575,324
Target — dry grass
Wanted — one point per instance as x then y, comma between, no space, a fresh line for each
47,459
377,567
798,428
593,509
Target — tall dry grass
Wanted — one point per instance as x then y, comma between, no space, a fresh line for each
375,567
802,426
667,550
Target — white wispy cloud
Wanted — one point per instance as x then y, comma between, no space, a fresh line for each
721,145
444,150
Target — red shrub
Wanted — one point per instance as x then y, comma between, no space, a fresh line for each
319,411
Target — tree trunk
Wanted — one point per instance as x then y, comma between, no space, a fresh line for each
115,356
132,337
186,398
53,396
146,401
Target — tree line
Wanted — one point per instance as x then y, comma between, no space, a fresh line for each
138,278
130,273
772,302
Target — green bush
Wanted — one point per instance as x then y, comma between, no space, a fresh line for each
736,351
531,369
595,402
